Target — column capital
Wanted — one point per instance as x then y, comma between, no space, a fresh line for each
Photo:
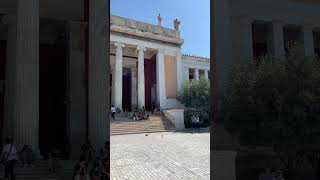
9,18
308,27
245,19
141,48
162,51
119,44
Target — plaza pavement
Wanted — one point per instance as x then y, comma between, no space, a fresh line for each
163,156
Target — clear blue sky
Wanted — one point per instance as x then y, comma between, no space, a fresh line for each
193,14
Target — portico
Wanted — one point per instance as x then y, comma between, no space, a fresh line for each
54,58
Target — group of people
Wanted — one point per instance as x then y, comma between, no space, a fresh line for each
100,163
140,114
195,122
10,155
269,174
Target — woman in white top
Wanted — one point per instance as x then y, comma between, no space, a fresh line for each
9,157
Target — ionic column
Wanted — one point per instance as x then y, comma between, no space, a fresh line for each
134,100
196,72
186,73
118,76
77,90
11,21
179,72
113,83
141,85
98,128
206,76
161,85
308,40
26,106
246,49
277,39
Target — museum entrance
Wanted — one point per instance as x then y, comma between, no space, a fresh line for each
126,89
52,95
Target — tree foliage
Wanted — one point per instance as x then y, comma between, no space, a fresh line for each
195,94
276,103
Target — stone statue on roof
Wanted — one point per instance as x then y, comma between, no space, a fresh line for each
159,20
176,24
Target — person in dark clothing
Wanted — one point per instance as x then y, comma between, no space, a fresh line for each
9,156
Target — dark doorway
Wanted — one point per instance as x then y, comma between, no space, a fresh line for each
126,90
2,80
52,120
150,79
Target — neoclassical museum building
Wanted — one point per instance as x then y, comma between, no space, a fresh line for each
54,70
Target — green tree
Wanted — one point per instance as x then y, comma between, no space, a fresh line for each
277,103
195,94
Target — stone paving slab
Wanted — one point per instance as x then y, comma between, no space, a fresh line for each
163,156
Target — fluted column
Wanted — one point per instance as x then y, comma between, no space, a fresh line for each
196,72
246,47
113,83
141,83
206,75
161,85
179,72
118,76
134,95
277,39
308,40
98,128
26,106
11,21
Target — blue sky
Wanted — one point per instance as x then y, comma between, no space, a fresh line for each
193,14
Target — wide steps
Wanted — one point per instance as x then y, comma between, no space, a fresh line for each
40,171
122,126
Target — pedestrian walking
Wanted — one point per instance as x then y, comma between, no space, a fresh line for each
9,156
197,123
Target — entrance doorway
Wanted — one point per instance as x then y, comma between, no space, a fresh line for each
52,117
126,89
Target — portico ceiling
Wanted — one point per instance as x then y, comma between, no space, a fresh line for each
55,9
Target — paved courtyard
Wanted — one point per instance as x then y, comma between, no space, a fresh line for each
169,155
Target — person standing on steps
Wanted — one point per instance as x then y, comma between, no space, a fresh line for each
9,156
113,112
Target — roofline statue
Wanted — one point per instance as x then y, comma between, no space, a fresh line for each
176,24
159,20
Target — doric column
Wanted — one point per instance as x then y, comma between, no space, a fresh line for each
161,85
11,21
141,85
26,106
118,76
277,39
206,75
246,52
134,95
308,40
186,68
179,72
98,128
196,73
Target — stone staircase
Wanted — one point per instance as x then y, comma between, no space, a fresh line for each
156,123
40,171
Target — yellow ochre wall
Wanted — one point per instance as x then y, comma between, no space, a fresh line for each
171,76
